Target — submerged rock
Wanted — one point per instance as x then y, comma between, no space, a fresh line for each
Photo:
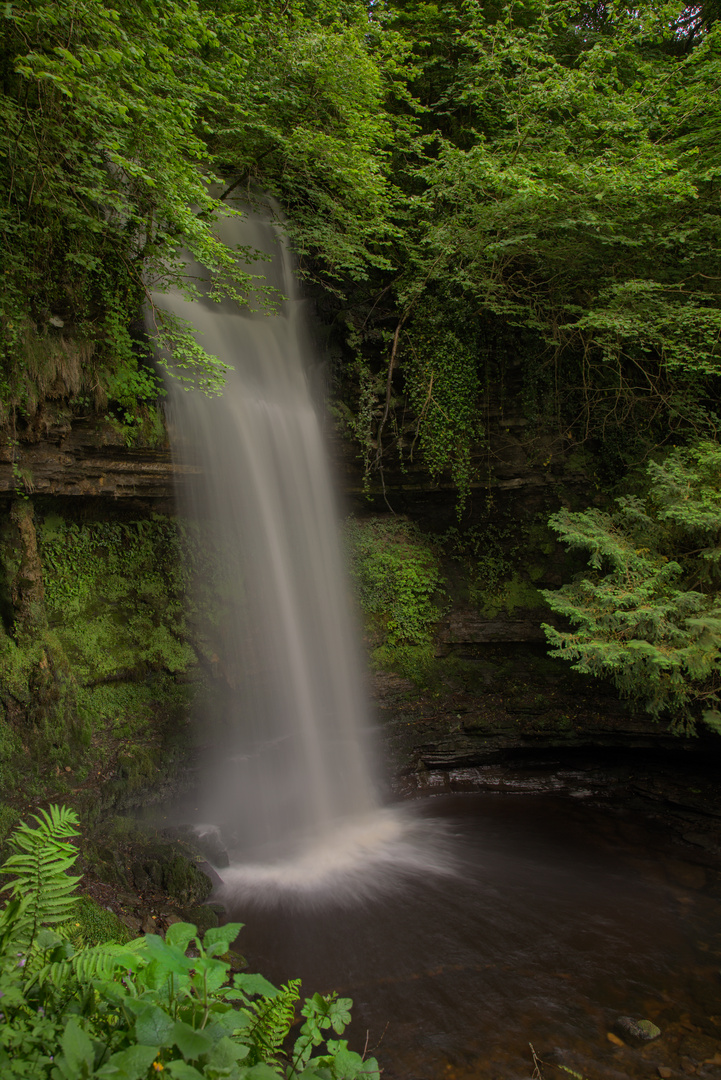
642,1031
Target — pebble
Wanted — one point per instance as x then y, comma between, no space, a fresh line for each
664,1072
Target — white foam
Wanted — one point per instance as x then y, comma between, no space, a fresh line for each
365,857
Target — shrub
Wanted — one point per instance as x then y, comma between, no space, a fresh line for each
397,577
647,613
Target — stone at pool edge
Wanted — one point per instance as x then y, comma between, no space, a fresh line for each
167,869
640,1031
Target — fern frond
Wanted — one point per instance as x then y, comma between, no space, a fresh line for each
40,863
273,1020
93,965
102,961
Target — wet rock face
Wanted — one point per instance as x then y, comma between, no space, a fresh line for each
466,625
488,702
84,459
163,869
151,866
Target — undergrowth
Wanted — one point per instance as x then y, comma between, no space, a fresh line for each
400,589
80,1002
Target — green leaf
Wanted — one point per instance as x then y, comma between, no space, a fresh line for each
47,939
255,984
153,1026
340,1015
218,939
130,1064
180,1070
169,957
226,1051
191,1043
181,934
77,1048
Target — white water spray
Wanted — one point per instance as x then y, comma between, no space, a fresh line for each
291,787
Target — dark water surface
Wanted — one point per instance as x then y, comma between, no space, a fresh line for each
563,917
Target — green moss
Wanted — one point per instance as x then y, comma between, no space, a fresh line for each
105,682
8,818
513,594
92,924
203,916
501,564
184,882
415,662
114,595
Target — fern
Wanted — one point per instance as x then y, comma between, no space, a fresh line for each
104,961
92,965
42,885
274,1017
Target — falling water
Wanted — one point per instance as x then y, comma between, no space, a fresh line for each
291,785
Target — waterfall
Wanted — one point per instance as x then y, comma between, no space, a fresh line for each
291,785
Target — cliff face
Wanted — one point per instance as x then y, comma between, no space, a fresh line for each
104,671
90,461
94,457
85,458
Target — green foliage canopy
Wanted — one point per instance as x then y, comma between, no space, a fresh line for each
466,183
114,120
561,215
570,190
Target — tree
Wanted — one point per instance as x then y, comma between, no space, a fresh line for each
563,206
115,118
648,614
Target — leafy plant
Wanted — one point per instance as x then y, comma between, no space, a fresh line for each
400,589
130,1011
648,614
42,889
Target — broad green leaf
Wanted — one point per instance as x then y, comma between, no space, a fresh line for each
180,1070
169,957
226,1051
47,939
261,1072
130,1064
218,939
191,1043
77,1048
255,984
181,934
153,1026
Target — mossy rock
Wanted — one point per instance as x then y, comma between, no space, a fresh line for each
201,915
184,882
91,924
108,864
163,868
